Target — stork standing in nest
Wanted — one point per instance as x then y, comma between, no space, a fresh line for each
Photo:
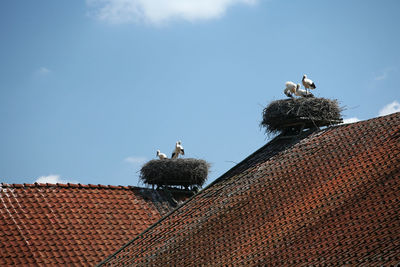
308,84
294,89
161,155
178,150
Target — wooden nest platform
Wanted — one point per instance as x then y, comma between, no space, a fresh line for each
175,172
300,113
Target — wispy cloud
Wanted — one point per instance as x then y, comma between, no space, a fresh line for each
351,120
43,71
390,108
159,11
386,110
383,75
135,160
53,179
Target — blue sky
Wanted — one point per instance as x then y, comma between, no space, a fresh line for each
89,90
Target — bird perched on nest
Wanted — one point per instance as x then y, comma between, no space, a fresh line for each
178,150
303,93
308,84
292,88
161,155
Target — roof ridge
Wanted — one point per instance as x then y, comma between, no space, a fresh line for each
231,172
69,185
223,177
334,133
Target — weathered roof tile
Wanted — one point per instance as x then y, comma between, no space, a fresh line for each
58,224
329,197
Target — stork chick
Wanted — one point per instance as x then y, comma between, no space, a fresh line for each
178,150
161,155
303,93
308,84
291,88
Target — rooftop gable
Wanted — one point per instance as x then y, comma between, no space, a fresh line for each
329,197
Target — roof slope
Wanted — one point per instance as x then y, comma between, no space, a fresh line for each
332,197
44,224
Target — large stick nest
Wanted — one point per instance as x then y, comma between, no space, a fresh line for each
309,112
166,172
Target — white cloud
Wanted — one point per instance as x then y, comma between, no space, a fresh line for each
135,160
159,11
383,75
43,71
53,179
351,120
390,108
386,110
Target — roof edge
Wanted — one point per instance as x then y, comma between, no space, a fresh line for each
227,174
231,172
71,185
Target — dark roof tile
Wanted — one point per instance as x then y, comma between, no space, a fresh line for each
328,197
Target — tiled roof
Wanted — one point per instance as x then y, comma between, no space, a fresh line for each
330,197
45,224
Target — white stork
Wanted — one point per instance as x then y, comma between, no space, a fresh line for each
161,155
291,88
303,93
308,84
178,150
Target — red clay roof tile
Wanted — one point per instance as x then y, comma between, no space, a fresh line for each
49,224
329,197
